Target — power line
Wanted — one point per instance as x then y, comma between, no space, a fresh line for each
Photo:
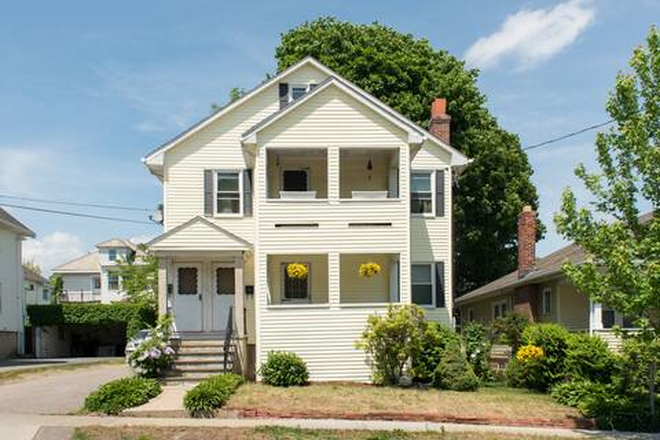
92,205
569,135
76,214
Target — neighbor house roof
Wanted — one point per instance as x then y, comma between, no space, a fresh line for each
116,242
32,275
10,222
88,263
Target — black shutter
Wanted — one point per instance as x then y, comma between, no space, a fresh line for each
440,193
247,192
440,284
208,192
284,95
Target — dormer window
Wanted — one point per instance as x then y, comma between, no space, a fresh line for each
297,90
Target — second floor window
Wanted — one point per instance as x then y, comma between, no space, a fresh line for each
112,254
421,193
228,193
113,281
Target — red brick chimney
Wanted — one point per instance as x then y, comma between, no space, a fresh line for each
439,126
526,241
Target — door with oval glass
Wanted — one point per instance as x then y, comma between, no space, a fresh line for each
188,297
223,295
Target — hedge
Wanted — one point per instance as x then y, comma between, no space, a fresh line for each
120,394
134,316
211,394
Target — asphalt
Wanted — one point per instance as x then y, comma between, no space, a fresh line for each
27,363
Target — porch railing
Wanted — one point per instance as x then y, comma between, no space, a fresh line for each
228,336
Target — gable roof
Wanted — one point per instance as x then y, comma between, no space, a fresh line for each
116,242
220,239
10,222
88,263
32,275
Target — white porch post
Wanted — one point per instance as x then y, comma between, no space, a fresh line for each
162,286
334,281
239,297
333,174
595,316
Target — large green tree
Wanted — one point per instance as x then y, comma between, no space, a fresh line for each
407,73
139,277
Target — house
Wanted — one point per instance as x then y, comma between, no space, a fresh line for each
35,287
93,277
12,234
539,290
306,168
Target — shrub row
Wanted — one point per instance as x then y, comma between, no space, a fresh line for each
118,395
210,394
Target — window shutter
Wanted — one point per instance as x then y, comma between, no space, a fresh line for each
247,192
208,192
284,95
440,193
440,284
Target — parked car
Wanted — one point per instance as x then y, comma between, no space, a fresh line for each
135,341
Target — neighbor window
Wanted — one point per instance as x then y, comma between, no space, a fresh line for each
422,284
112,254
113,281
44,295
96,283
470,314
187,281
608,317
297,90
500,309
295,289
547,301
421,194
228,193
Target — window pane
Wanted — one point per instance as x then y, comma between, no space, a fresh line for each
224,281
187,281
422,294
421,274
420,205
228,182
228,205
608,318
421,182
297,92
294,180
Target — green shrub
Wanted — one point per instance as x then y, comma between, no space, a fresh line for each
589,358
116,396
572,393
454,372
551,368
392,341
509,329
435,338
155,355
210,394
613,410
477,349
284,369
515,374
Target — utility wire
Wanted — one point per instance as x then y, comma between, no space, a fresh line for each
59,202
76,214
569,135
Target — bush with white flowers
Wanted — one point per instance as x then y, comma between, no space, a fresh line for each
154,356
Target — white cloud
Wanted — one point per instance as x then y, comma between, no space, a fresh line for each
532,36
52,250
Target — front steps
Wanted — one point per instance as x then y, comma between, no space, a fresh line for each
200,357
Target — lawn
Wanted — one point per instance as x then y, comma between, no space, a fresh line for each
274,433
493,402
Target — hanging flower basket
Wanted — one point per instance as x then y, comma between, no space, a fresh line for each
297,271
369,269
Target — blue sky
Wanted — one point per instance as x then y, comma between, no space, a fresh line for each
88,87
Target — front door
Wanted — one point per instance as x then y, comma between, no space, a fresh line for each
188,297
223,295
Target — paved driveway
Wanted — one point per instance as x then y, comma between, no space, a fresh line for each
56,392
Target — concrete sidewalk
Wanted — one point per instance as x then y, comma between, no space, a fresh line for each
19,427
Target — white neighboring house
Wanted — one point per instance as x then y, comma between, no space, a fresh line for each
93,277
306,168
35,287
12,234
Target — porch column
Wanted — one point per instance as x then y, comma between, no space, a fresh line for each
334,281
595,316
333,174
239,318
162,286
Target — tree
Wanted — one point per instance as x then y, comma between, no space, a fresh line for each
623,266
33,266
234,94
407,74
139,277
57,286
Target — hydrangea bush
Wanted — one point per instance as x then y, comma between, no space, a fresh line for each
154,356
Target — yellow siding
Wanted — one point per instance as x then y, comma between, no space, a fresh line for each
318,276
198,236
317,173
358,289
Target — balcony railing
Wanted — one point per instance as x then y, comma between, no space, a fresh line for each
78,296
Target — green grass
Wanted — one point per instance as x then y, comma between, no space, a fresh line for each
13,375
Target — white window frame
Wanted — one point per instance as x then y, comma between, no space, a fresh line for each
289,95
306,300
241,196
432,178
110,274
546,295
111,252
433,287
307,174
498,304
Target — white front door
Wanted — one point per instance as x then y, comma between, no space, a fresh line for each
223,295
188,297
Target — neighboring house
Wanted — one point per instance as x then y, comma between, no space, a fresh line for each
12,234
35,287
93,277
306,168
539,290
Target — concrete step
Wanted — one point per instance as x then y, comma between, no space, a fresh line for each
202,368
203,359
189,376
203,351
201,343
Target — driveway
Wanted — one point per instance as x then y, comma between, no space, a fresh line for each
56,392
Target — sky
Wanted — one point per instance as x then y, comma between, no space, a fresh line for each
89,87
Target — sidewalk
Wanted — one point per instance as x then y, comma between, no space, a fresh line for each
19,427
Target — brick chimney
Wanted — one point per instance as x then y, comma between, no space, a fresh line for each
526,241
440,120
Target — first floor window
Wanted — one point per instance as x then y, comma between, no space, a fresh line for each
96,283
422,284
295,289
187,281
113,281
228,193
421,193
470,314
547,301
500,309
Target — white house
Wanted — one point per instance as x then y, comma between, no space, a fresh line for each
306,168
93,277
35,287
12,234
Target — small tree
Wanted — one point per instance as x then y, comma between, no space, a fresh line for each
57,286
391,341
139,279
623,265
33,266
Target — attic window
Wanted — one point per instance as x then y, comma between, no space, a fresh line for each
297,90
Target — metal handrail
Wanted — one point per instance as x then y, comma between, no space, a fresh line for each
228,336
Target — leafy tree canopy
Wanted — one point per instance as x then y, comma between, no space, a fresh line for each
407,73
139,277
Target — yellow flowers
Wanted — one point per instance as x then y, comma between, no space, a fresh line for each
528,353
297,270
369,269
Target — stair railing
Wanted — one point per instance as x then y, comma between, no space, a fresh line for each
228,336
